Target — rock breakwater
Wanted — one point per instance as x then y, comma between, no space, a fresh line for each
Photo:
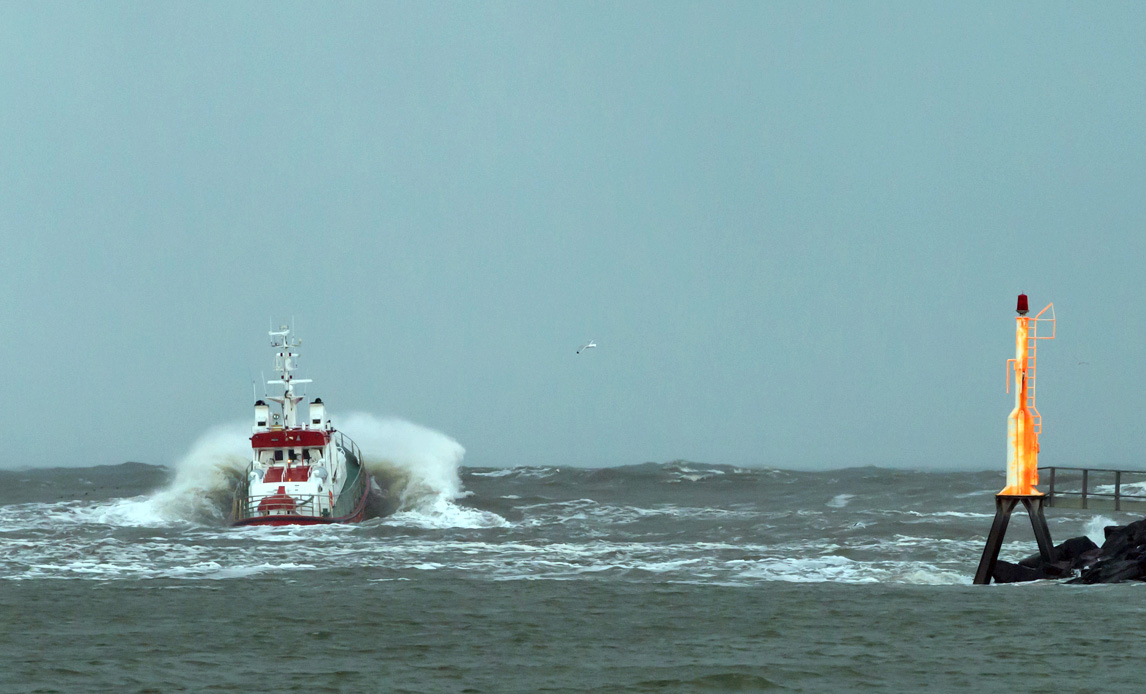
1122,557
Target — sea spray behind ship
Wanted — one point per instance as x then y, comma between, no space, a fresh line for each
202,482
415,469
205,478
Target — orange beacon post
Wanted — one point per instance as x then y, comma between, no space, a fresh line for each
1025,424
1023,428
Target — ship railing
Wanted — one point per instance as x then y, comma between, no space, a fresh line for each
353,490
1097,489
348,446
245,506
303,505
242,489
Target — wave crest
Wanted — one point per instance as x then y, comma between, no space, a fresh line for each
417,472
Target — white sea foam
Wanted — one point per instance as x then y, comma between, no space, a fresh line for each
580,510
933,514
1126,488
198,552
932,576
840,500
525,472
496,473
442,514
806,570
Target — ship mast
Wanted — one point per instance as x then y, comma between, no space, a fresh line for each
286,361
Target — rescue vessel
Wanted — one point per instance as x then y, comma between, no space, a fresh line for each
304,473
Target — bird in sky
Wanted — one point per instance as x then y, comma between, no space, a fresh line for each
588,345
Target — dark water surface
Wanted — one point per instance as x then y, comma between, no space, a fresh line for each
652,578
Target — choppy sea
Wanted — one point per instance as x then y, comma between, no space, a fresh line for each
677,577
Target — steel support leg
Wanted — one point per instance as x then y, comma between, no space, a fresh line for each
1004,505
1034,506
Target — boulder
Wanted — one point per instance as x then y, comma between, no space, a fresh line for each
1076,553
1112,571
1117,541
1006,572
1073,549
1059,569
1068,552
1119,537
1086,559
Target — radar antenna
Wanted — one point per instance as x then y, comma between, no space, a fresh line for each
286,361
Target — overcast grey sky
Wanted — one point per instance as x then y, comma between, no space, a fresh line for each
795,230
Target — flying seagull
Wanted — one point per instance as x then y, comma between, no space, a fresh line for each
588,345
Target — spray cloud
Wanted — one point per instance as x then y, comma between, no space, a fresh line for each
415,467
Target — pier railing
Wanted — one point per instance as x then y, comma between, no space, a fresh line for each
1096,489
